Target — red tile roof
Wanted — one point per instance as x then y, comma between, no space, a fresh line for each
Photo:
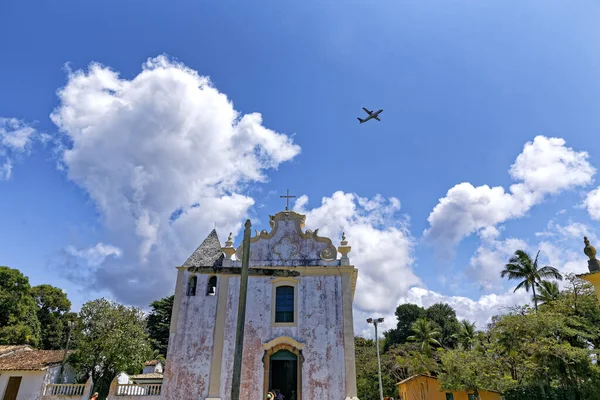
151,363
35,360
6,349
147,376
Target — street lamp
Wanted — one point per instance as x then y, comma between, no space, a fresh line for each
375,322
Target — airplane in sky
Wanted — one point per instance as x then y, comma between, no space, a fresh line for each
371,115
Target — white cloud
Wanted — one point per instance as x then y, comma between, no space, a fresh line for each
16,138
547,166
480,311
164,156
382,250
94,256
565,251
382,246
490,258
544,167
592,203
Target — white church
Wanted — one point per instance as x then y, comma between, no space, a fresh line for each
299,338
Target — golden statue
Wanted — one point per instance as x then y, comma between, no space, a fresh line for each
589,251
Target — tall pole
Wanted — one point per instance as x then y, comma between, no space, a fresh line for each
378,362
239,335
375,322
62,367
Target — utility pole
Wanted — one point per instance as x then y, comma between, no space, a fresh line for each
375,322
239,336
62,367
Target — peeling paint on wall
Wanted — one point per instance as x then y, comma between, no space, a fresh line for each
319,327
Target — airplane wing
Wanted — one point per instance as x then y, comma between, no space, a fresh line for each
367,111
377,118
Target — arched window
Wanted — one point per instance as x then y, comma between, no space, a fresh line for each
284,304
191,289
212,286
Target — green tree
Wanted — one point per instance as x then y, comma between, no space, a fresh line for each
113,339
467,334
548,292
443,316
406,314
53,308
367,381
467,370
546,350
18,318
521,267
424,335
159,322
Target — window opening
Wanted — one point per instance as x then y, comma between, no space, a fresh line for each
191,289
284,304
212,286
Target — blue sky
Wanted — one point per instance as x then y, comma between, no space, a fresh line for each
464,86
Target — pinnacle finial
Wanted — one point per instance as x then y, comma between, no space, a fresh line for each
344,249
343,242
589,250
228,249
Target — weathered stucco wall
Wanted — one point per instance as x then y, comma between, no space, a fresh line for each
320,329
190,350
319,323
32,383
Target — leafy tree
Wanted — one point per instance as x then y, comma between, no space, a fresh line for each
424,335
549,292
406,360
18,318
520,266
406,314
53,313
546,349
367,381
467,370
159,322
467,335
444,316
113,338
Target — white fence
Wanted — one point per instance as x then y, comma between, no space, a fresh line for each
64,389
55,391
142,389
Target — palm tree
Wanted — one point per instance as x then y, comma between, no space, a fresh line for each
548,292
424,334
467,334
520,266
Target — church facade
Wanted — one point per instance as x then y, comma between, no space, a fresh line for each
299,338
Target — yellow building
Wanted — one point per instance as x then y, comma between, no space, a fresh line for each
425,387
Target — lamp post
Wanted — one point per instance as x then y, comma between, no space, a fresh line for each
375,322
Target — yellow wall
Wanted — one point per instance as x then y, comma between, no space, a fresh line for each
427,388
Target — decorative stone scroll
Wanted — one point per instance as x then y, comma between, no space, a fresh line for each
288,245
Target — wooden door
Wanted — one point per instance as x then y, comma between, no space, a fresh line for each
12,388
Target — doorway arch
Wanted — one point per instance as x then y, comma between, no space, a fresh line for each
283,350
